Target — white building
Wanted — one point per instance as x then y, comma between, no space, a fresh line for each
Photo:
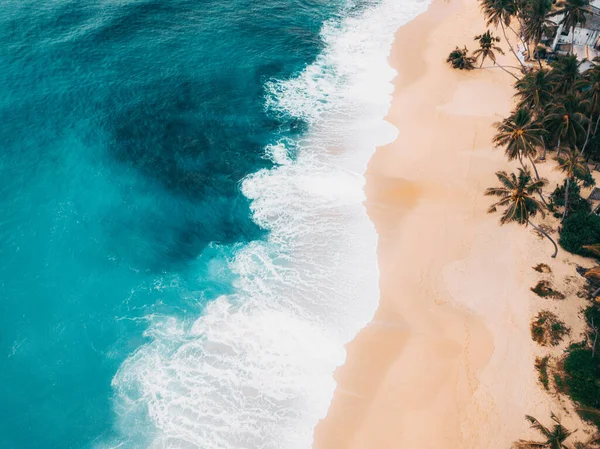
585,37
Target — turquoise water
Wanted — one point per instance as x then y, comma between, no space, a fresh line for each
126,128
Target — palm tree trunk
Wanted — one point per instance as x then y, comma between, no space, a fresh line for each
567,185
544,233
498,66
572,38
587,136
537,53
544,153
596,126
558,147
520,36
510,73
510,46
521,162
537,175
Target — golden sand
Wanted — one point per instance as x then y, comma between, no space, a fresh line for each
448,361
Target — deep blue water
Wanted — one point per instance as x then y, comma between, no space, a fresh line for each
125,129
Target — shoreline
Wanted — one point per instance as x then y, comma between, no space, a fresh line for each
448,360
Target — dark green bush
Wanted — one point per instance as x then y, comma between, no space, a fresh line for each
579,229
583,377
541,364
560,385
541,52
593,148
592,315
576,202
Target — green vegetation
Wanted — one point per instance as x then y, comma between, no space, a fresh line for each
516,196
579,230
544,289
556,437
575,168
460,59
552,437
548,330
576,202
541,364
558,110
582,376
487,47
559,382
521,136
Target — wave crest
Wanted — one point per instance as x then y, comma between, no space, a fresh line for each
256,369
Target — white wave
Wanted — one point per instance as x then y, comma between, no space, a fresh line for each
256,370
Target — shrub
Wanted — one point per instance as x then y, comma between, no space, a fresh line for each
544,290
576,202
541,364
592,416
593,148
578,230
548,329
592,315
559,382
583,376
541,52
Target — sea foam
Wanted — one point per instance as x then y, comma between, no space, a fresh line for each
256,369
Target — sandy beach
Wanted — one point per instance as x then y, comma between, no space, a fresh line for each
448,361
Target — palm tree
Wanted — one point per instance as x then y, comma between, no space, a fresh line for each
516,194
574,167
536,21
459,59
487,47
553,438
535,92
589,85
565,73
565,121
500,12
521,136
535,89
575,13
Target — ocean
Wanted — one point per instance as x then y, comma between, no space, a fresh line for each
184,249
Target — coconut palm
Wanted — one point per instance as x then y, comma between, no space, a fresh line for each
565,121
516,195
536,20
459,59
565,74
574,168
535,89
487,47
589,85
575,13
535,92
500,12
521,136
554,438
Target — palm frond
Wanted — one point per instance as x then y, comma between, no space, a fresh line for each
535,424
